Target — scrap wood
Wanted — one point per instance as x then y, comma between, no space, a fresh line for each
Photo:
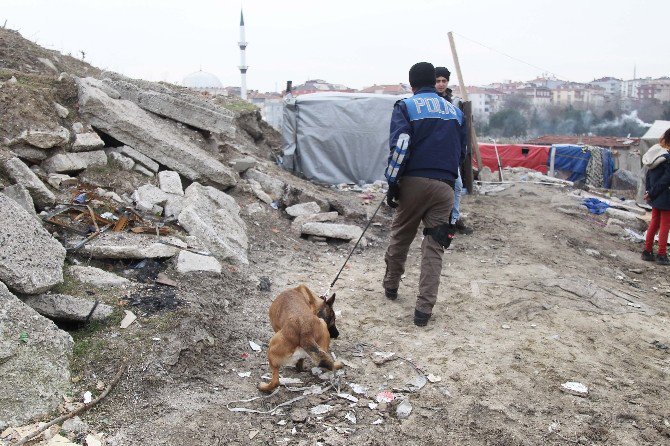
143,229
89,238
79,410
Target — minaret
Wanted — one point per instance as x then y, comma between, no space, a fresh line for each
243,58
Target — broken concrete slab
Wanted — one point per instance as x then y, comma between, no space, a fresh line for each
62,111
66,308
74,162
173,206
78,127
184,108
188,262
214,218
258,191
136,156
21,196
147,196
30,154
272,186
155,138
32,260
122,161
332,230
296,225
34,362
132,246
85,142
45,139
97,277
20,173
241,165
143,170
61,181
303,209
170,182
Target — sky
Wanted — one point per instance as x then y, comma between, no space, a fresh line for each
355,43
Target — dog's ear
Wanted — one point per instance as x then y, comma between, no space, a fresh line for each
331,300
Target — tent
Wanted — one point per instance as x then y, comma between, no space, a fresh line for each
515,155
574,160
337,137
653,134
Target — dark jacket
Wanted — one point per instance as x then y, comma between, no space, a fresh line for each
658,182
427,138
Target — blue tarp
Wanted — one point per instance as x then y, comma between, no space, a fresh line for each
573,158
595,206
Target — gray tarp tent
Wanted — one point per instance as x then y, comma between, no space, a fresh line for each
337,137
653,135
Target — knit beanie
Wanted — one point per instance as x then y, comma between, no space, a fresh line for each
442,72
422,74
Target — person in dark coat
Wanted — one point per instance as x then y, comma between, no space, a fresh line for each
657,161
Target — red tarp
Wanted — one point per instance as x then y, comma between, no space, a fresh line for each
512,155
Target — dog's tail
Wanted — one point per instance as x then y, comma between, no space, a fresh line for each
320,357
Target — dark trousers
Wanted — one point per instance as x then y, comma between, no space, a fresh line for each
421,200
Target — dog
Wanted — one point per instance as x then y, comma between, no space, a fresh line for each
303,325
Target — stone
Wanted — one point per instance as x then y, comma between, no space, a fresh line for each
254,208
74,162
84,142
189,262
153,137
170,182
62,111
296,225
45,139
78,127
22,197
21,174
61,181
145,161
48,63
350,209
185,108
173,206
97,277
404,409
272,186
34,362
258,191
102,86
75,425
624,180
122,161
622,215
32,260
122,245
31,154
241,165
148,195
332,230
214,218
62,307
303,209
143,170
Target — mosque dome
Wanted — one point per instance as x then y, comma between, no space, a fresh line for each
201,79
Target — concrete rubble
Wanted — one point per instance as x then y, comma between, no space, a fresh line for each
21,196
74,162
30,346
301,209
296,224
32,260
272,186
170,182
63,307
20,173
136,156
188,262
86,142
332,230
45,139
97,277
118,245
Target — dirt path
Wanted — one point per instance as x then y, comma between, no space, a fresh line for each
523,307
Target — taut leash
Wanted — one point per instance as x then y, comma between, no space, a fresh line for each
324,295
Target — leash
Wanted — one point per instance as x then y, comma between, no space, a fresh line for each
325,294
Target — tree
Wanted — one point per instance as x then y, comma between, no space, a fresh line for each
516,101
508,123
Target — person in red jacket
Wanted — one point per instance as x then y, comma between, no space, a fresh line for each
657,161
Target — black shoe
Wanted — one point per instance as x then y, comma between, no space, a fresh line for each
391,293
648,256
421,318
662,260
462,229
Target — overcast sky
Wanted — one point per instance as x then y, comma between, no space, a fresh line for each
356,43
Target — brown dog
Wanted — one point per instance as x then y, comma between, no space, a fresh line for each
303,324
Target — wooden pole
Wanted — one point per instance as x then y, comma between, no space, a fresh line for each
466,172
473,136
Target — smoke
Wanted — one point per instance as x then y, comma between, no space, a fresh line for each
624,125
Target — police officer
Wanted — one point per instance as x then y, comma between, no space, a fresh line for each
442,75
427,142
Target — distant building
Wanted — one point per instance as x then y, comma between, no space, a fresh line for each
655,89
629,88
549,82
204,82
506,87
398,89
611,86
485,101
578,95
538,96
319,86
271,106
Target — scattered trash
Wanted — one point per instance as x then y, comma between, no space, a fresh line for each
358,389
575,388
378,421
372,406
23,337
417,383
128,319
274,205
93,440
634,305
80,199
506,327
282,422
100,386
404,409
661,346
380,358
252,434
264,284
351,417
244,374
385,396
348,397
88,397
255,347
321,409
434,378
